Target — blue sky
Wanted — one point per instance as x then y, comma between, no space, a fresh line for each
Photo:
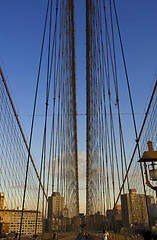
21,31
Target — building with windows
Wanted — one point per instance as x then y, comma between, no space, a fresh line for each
2,200
150,199
55,205
11,219
55,211
152,206
134,209
116,213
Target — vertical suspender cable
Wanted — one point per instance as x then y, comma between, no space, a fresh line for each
87,107
144,121
45,125
74,106
132,109
17,119
32,125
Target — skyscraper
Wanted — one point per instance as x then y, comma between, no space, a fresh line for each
55,212
55,205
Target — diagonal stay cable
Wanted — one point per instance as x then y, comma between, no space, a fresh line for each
136,146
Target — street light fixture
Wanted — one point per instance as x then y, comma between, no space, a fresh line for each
149,159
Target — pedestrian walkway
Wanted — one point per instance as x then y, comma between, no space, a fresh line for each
83,236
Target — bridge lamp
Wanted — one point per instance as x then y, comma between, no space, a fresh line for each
149,159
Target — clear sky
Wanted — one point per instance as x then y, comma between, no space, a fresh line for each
21,31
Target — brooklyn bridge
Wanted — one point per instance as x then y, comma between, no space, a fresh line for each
60,180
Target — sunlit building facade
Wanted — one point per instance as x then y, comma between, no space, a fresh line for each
11,221
2,200
134,209
55,211
55,205
152,206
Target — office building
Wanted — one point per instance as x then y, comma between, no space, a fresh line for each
134,209
116,213
11,221
150,199
152,206
2,200
55,212
55,205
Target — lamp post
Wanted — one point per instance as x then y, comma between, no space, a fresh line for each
149,159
